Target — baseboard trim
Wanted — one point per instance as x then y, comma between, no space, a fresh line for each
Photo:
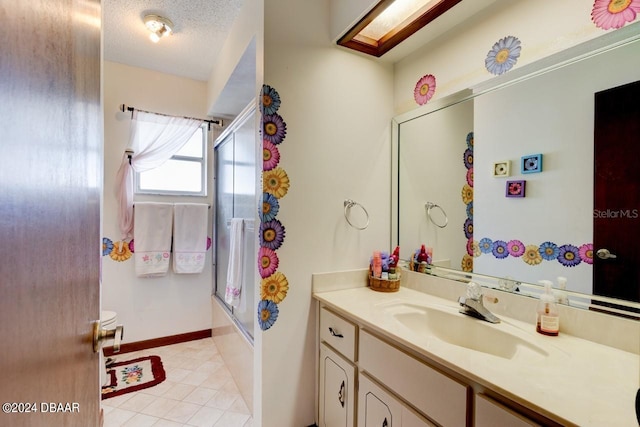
158,342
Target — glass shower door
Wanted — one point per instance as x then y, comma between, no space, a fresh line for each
236,198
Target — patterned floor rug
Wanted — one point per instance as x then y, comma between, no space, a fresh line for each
133,375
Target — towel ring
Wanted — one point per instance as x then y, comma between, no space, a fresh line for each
428,206
348,204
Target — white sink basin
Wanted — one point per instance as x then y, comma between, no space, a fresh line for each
448,325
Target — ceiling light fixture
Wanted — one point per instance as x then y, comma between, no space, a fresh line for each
390,22
159,27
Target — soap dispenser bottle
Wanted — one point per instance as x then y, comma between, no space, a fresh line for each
548,322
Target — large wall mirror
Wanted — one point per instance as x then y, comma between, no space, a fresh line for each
532,176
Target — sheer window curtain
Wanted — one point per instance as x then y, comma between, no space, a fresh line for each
153,138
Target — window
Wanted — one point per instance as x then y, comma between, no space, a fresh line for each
184,174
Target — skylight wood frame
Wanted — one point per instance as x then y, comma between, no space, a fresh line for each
396,36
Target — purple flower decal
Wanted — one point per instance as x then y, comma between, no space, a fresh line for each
569,255
274,129
516,248
468,158
500,249
271,234
468,228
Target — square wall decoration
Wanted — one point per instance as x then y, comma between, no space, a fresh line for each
515,188
501,168
531,163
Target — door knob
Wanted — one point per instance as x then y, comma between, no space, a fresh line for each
100,335
605,254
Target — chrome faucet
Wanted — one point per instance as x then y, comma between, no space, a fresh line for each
472,304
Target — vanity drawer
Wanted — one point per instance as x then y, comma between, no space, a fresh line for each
338,333
489,413
438,396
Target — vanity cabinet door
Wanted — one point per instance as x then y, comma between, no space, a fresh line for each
376,408
489,413
379,408
337,390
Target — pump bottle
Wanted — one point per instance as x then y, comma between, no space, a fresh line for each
548,321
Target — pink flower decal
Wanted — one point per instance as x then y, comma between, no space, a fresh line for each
515,248
267,262
607,14
586,253
270,155
424,90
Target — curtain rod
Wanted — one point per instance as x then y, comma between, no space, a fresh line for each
124,108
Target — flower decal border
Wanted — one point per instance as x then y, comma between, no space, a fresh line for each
121,251
568,255
274,285
467,198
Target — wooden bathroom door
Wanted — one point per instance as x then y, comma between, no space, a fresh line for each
50,200
617,193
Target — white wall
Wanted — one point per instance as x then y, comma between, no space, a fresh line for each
338,108
152,307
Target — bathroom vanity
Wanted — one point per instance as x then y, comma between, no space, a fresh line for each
409,358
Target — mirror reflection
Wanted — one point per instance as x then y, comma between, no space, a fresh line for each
534,180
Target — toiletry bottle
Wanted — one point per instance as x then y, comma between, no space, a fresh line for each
392,268
561,295
396,254
377,264
548,322
422,256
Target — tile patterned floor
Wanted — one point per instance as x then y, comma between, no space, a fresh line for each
199,391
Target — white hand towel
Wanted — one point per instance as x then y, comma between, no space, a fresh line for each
234,270
190,225
152,235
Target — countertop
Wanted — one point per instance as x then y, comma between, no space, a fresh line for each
580,382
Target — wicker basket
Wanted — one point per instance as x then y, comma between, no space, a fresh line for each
382,285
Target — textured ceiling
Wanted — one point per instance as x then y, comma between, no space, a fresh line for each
200,30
